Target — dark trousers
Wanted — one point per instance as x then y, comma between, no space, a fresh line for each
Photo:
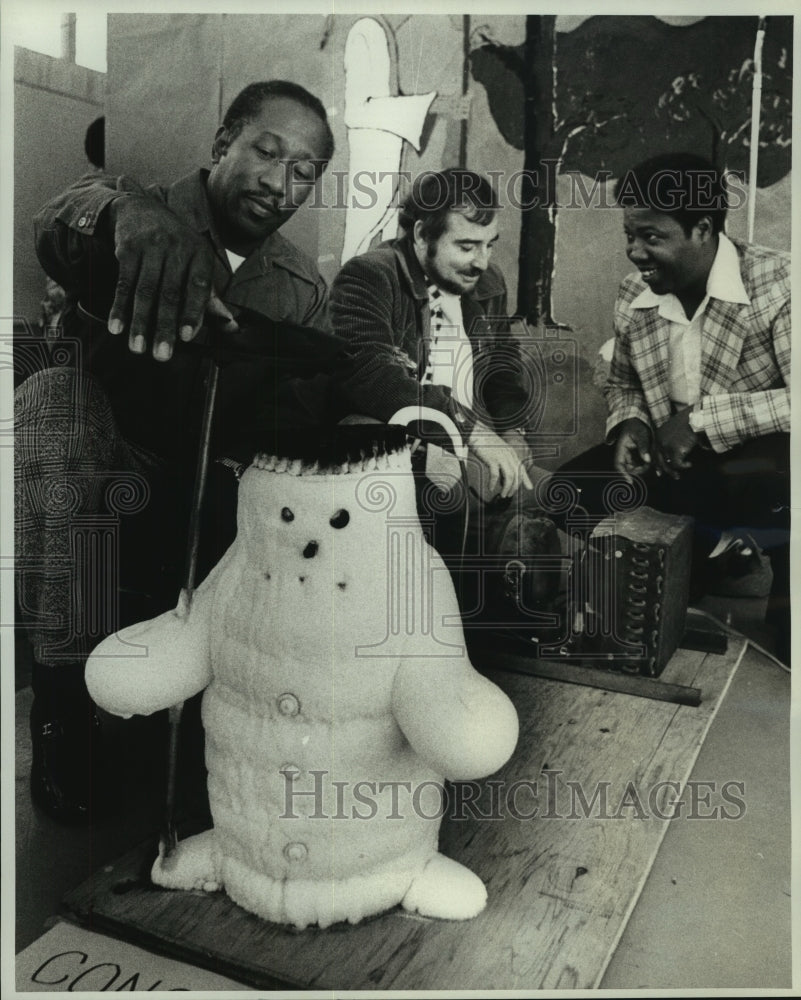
101,539
748,486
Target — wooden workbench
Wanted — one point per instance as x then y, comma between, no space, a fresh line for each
561,886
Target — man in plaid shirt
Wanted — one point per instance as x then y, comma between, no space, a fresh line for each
698,390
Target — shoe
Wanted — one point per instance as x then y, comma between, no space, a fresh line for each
740,569
66,760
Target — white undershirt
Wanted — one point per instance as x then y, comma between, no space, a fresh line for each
234,259
684,351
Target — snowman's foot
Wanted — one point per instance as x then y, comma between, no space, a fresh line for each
447,890
189,866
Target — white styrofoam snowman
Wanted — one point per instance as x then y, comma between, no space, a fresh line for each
337,699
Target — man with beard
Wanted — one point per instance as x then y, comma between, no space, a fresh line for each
425,316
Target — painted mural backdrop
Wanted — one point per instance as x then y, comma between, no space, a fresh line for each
640,86
499,92
623,88
630,87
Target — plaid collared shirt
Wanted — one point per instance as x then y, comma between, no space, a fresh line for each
745,356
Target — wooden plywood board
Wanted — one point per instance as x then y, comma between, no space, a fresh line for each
591,764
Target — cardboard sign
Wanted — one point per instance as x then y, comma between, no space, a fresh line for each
70,959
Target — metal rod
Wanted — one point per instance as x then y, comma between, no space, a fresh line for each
169,838
193,535
756,114
170,833
465,88
589,676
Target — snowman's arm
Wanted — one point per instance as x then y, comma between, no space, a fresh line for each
459,722
157,663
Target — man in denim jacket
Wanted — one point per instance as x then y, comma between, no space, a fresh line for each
110,432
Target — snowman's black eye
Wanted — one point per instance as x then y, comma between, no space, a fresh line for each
340,519
286,514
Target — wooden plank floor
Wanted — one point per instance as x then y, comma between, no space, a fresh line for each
561,885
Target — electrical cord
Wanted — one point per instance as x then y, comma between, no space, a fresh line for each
465,526
733,631
415,414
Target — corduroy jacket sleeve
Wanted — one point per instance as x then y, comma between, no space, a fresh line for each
378,318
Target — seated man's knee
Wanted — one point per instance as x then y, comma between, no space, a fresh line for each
63,416
63,391
358,418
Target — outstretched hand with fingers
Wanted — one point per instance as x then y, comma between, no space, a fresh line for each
164,287
502,471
